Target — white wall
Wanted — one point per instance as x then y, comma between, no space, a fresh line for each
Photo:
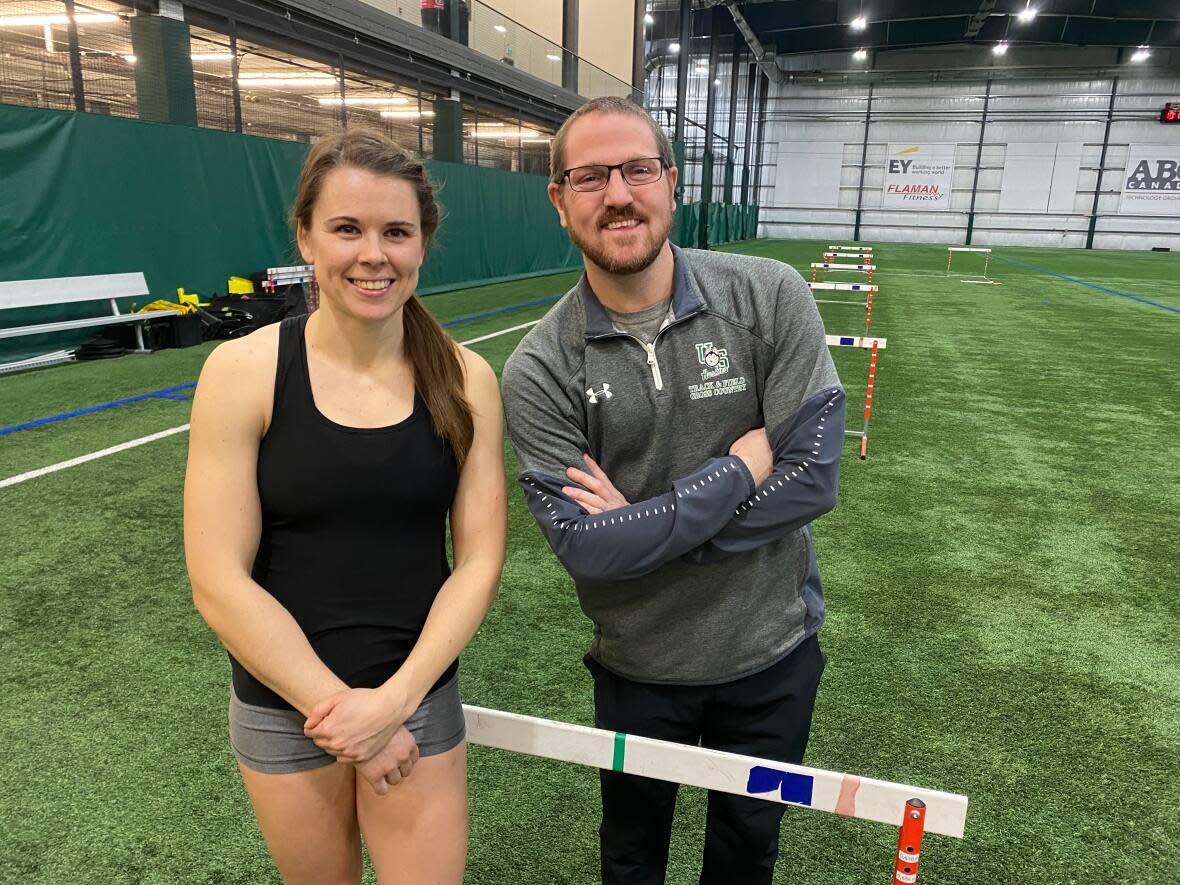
1068,113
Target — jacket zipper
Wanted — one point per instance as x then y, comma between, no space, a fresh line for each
654,363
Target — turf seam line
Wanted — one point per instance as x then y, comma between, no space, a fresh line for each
1089,285
122,447
165,393
548,299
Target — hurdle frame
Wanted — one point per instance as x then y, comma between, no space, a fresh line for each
294,275
987,257
872,344
785,783
870,289
832,267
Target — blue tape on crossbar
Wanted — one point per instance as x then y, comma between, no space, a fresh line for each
845,341
792,787
166,393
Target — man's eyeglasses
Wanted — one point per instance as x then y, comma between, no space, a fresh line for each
634,172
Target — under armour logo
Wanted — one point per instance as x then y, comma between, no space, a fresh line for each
593,394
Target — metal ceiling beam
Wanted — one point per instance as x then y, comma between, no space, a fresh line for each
978,20
763,58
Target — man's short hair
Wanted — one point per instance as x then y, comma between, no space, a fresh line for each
608,104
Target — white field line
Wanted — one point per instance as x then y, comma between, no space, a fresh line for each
144,440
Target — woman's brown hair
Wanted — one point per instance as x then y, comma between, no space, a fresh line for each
437,365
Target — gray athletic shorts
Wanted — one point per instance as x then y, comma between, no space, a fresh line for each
272,741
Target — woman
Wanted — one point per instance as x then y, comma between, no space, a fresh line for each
325,455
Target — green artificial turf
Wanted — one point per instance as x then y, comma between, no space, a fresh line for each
1000,576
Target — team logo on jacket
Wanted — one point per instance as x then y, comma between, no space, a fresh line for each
595,395
714,359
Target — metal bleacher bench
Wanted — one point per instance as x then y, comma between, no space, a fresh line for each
74,290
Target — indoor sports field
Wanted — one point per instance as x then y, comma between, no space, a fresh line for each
1000,575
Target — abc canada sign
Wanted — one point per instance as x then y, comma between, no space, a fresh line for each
1151,180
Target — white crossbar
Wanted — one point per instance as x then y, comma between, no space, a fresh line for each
965,249
836,256
294,268
843,794
854,341
851,248
845,287
829,266
67,290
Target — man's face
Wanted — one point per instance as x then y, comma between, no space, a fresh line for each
622,227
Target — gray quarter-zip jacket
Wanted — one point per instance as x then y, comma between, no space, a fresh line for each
705,578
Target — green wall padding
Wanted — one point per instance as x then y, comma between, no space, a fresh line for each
90,194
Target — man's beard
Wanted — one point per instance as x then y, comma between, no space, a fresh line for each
600,257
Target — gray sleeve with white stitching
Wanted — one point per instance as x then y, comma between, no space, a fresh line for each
624,543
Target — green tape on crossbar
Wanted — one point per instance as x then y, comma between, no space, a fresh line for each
620,751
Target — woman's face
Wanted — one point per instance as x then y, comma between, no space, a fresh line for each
365,240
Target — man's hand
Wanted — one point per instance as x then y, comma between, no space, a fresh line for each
753,449
392,764
353,725
598,494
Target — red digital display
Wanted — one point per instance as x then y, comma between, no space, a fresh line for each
1171,112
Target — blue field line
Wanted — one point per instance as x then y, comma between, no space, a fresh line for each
548,299
166,393
1089,285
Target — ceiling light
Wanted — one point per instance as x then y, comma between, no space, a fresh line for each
366,100
552,57
130,59
212,56
503,133
673,47
1000,48
859,23
717,82
501,29
1141,54
1026,15
860,54
648,20
36,21
405,115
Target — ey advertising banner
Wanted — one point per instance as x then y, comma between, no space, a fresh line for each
1151,181
918,176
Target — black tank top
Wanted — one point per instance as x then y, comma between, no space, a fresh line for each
353,528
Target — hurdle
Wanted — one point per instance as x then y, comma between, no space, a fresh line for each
872,345
295,275
867,304
861,248
832,267
855,256
987,255
801,786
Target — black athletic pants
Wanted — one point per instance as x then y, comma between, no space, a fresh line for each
767,714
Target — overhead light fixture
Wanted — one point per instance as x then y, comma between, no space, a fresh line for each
1000,48
366,100
648,19
212,56
406,115
859,23
860,55
717,82
553,57
501,29
673,47
1143,53
37,21
275,80
130,59
1026,15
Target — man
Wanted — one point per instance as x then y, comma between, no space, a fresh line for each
678,423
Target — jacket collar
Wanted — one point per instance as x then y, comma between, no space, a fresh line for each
686,298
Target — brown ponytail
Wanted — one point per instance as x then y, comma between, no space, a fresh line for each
435,358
